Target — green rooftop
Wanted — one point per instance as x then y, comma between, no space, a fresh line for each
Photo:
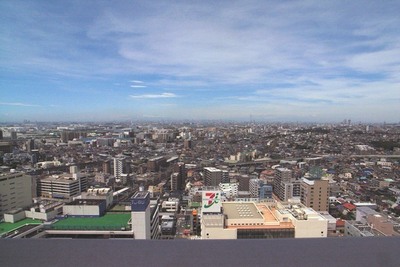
7,227
110,221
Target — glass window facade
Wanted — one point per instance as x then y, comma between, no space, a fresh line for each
264,233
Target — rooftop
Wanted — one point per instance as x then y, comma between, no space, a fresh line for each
110,221
7,227
241,210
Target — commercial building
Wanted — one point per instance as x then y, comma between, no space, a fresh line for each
271,219
63,186
15,191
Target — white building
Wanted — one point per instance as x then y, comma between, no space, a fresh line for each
119,166
141,219
230,190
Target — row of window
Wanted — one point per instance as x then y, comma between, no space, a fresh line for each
244,224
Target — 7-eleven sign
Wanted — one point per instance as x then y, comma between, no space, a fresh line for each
211,201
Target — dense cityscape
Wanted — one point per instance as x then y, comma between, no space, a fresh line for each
199,133
199,180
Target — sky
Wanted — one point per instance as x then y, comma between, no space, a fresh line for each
292,61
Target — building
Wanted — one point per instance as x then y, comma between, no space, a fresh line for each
106,166
15,191
120,167
69,135
214,176
283,184
155,228
251,220
230,190
140,211
63,186
171,205
156,164
30,145
243,182
187,144
85,208
260,190
99,194
315,193
180,169
6,146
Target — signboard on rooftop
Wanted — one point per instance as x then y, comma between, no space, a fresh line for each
211,201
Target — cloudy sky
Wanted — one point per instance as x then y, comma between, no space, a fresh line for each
321,61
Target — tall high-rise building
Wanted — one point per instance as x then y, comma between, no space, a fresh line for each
15,191
283,186
243,180
214,176
180,177
140,213
120,166
174,181
107,167
315,193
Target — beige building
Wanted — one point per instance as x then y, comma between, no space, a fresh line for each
15,191
64,186
314,193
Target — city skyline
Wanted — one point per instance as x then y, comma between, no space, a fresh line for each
278,61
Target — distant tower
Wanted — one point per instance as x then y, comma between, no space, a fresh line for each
1,135
140,215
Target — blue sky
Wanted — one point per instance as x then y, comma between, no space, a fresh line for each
321,61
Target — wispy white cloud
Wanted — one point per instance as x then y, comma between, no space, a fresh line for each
252,55
152,96
18,104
